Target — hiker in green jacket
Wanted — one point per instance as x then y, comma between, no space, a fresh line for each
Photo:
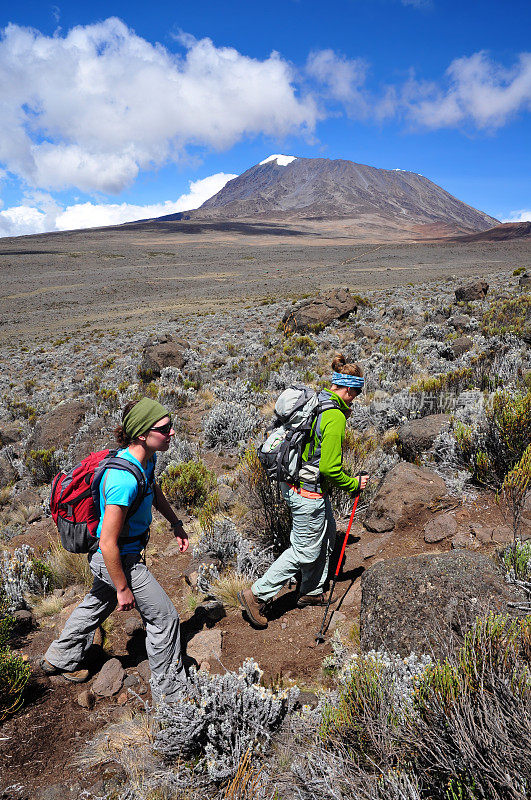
313,529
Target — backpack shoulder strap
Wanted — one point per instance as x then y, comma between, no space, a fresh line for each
117,462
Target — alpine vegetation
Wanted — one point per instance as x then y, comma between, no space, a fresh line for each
21,574
219,718
229,423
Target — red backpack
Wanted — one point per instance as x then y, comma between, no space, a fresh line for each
75,500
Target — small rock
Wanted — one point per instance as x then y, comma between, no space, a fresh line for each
109,680
133,624
23,620
307,699
461,345
35,517
213,610
86,699
205,666
122,698
379,524
464,540
439,528
131,681
58,592
205,646
459,321
144,670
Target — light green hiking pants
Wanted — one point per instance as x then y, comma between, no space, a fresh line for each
312,538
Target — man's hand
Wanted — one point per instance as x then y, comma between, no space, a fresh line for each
126,599
181,536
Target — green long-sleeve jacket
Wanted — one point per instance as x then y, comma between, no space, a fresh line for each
333,422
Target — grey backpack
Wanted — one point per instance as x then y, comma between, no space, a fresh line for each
296,410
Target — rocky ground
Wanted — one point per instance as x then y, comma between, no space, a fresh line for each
219,372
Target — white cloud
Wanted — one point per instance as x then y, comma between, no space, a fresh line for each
94,106
523,215
341,77
46,215
474,91
479,91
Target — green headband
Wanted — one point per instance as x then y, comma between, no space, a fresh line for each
142,417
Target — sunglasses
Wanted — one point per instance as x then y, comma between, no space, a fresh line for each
163,429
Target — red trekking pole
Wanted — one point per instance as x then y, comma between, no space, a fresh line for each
320,636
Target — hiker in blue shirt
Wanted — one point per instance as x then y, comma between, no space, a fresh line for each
121,579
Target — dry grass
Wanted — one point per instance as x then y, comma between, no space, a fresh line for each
5,495
128,741
68,568
22,513
226,588
46,606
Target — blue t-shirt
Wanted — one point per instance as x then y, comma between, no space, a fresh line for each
119,487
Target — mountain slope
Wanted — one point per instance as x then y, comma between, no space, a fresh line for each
320,188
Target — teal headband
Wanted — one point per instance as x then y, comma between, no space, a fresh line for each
339,379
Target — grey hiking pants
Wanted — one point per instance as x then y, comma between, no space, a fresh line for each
163,642
312,537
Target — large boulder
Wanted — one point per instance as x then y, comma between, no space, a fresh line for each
55,429
472,291
322,310
405,491
416,604
418,435
110,678
160,353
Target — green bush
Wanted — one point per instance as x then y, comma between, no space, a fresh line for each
14,672
188,484
43,465
511,316
490,453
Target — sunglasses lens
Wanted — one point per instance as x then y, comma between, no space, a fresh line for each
163,429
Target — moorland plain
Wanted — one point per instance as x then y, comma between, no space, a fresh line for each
63,282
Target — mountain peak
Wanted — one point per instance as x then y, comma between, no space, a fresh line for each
282,161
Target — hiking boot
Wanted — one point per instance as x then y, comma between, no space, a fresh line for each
314,600
253,607
76,676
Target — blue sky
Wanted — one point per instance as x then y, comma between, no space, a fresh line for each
114,111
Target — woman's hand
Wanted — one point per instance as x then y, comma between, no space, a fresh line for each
181,536
363,480
126,599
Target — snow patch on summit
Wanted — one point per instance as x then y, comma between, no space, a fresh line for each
281,160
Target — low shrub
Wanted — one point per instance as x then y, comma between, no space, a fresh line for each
188,484
219,718
21,574
511,316
516,488
43,465
14,671
229,423
270,514
491,449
